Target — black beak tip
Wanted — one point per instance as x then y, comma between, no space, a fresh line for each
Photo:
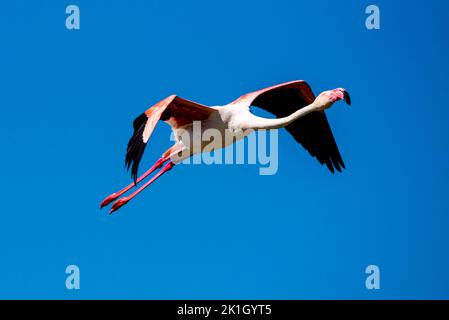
347,98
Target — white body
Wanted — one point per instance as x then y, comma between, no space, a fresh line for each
223,128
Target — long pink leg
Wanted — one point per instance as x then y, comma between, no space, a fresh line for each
121,202
118,194
165,157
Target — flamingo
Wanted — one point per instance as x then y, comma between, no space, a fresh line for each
293,103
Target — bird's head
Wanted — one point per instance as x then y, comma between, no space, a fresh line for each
327,98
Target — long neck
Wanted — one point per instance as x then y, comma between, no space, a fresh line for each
258,123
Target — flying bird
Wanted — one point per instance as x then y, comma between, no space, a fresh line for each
293,103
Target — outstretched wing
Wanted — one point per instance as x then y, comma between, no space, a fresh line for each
174,109
311,131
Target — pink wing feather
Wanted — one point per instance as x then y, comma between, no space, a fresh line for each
176,110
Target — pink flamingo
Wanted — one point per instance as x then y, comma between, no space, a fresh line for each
295,106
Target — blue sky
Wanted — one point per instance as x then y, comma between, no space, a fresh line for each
68,99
